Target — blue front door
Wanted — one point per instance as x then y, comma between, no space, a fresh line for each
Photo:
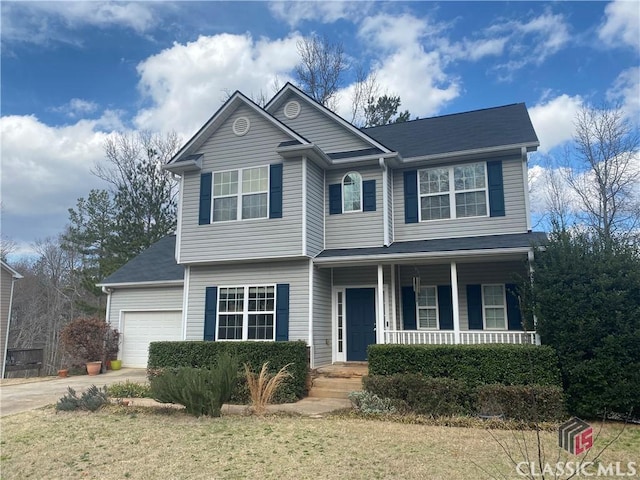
361,322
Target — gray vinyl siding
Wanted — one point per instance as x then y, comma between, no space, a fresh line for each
242,239
468,274
5,302
354,229
318,128
360,276
143,299
315,209
295,273
515,220
322,337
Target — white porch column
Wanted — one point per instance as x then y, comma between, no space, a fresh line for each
392,293
456,302
380,307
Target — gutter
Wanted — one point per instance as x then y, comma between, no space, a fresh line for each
160,283
477,151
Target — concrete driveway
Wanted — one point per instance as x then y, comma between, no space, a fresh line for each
22,397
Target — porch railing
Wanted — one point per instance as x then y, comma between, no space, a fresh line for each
476,337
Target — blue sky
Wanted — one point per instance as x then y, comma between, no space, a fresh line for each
75,72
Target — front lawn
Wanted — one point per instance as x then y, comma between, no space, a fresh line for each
123,442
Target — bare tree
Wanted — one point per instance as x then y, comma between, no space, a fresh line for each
602,169
321,67
365,87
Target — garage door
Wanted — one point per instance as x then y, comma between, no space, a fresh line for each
139,329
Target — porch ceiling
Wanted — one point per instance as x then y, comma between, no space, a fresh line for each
467,249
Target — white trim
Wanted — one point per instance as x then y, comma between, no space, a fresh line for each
393,209
108,308
390,257
525,180
380,327
455,300
325,210
310,313
179,219
159,283
13,273
304,205
394,318
385,203
504,307
344,210
475,151
185,300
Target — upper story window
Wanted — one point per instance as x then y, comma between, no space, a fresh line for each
241,194
453,192
352,192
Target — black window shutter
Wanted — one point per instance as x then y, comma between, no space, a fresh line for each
445,307
409,308
496,189
204,216
411,196
335,199
369,196
282,312
474,307
514,316
275,191
210,309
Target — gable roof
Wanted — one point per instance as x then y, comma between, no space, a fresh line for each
506,126
282,94
157,264
186,153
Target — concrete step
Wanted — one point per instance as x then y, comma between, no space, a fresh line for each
334,387
343,370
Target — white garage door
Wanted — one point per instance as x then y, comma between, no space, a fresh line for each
139,329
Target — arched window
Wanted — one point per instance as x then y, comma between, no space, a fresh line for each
352,192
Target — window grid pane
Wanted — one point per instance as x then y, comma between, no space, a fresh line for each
469,177
427,308
494,311
225,183
352,192
472,204
435,207
255,180
434,180
254,206
225,209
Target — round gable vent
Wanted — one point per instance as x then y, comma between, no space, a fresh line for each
241,126
292,109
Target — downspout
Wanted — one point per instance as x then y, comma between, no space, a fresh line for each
108,291
525,175
6,340
385,202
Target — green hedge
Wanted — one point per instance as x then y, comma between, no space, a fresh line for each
423,395
202,354
531,403
472,364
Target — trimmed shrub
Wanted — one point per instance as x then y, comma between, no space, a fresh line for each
530,403
472,364
370,403
203,354
90,400
423,395
202,391
129,389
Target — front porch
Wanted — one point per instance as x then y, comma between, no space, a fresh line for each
422,337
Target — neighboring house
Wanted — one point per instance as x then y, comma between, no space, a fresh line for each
295,225
9,276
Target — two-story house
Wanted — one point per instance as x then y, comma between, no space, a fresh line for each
295,225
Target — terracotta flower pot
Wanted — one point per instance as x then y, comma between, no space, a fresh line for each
93,368
63,373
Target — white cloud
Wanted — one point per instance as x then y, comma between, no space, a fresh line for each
553,120
626,91
44,170
76,107
294,13
622,24
186,83
46,22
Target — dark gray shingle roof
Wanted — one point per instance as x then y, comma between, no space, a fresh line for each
156,264
491,127
516,240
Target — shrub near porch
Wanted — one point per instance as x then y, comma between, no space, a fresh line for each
255,354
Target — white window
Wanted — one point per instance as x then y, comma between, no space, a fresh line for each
465,196
494,307
427,308
240,194
246,313
352,192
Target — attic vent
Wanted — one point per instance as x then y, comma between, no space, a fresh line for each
241,126
292,109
